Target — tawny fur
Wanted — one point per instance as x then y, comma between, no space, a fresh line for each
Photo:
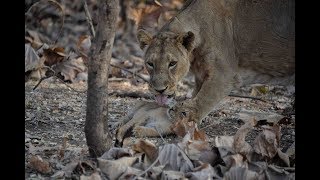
223,42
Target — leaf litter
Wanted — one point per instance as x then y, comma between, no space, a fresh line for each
213,150
183,159
188,155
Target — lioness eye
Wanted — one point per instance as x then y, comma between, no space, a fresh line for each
150,64
172,63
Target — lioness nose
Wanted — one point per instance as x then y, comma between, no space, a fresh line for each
161,90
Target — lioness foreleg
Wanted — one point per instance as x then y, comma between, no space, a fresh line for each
216,84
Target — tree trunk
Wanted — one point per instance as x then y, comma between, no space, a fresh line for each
96,125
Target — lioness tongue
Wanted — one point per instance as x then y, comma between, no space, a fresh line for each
161,99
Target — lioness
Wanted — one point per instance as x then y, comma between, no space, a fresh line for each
224,43
221,42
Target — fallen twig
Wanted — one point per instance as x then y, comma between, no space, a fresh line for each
46,77
160,134
127,70
43,78
151,166
70,86
55,75
130,94
249,97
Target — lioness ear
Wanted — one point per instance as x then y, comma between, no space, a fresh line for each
186,40
144,38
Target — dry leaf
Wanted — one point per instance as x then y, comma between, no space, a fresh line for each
247,115
82,167
271,171
224,141
116,153
81,77
235,160
32,60
58,175
53,55
284,157
199,135
37,163
147,17
258,166
182,126
239,144
240,173
278,173
172,175
37,74
83,45
259,89
115,168
199,150
172,156
291,150
70,68
130,174
194,150
205,171
267,142
155,172
93,176
69,168
148,148
111,168
34,38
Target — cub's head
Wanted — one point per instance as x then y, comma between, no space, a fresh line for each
167,59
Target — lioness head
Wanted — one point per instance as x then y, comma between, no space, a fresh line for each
167,58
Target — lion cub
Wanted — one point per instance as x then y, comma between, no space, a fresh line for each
147,119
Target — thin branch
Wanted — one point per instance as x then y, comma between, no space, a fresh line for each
43,78
71,87
160,134
89,19
54,74
136,94
46,77
127,70
249,97
151,166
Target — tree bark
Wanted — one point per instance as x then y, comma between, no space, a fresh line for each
96,126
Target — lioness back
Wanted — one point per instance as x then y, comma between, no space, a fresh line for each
220,41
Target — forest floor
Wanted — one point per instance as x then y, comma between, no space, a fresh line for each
55,118
55,144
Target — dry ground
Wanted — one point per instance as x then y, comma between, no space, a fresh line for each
55,116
